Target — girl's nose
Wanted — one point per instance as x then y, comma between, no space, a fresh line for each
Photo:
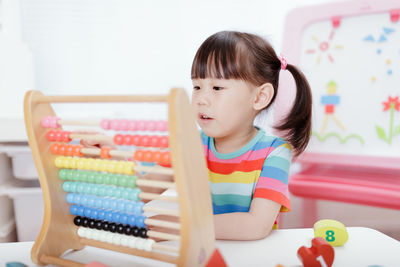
203,98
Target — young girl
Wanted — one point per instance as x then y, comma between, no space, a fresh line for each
235,76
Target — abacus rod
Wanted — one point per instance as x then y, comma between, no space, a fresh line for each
59,261
154,183
114,153
152,196
78,123
162,235
161,211
158,170
165,224
136,252
100,98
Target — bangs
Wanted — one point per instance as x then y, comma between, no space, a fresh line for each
221,57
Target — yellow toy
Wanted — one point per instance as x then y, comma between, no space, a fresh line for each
332,231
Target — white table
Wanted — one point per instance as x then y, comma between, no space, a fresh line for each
365,247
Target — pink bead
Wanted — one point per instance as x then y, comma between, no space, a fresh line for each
151,125
132,125
105,124
162,126
54,122
115,125
124,125
46,122
141,125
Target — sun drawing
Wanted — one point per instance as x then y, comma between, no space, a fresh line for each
324,47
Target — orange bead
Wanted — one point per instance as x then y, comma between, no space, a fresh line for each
139,155
70,150
77,150
62,149
156,156
165,159
148,156
54,148
105,152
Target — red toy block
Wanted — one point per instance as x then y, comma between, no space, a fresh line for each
216,260
320,254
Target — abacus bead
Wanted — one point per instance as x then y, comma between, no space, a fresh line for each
148,156
70,198
92,224
66,138
80,211
101,215
78,220
136,140
116,217
105,226
124,125
127,140
63,174
119,168
87,212
73,187
51,136
95,213
141,126
124,218
135,231
156,156
111,166
148,245
54,148
96,165
154,141
45,122
73,210
132,242
98,225
120,228
96,234
70,150
85,222
128,168
140,243
118,139
77,150
105,124
109,238
93,189
135,195
116,125
144,140
107,203
98,179
82,176
131,181
81,164
124,241
162,126
103,236
143,233
127,230
118,192
116,240
112,227
122,179
124,193
132,125
130,207
54,122
132,220
79,188
59,136
81,232
58,162
121,205
91,177
151,125
66,186
140,221
91,201
139,155
98,203
163,142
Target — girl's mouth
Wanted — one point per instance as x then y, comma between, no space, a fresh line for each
204,117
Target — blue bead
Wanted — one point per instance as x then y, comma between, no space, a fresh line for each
130,207
81,211
91,200
113,204
74,210
106,204
116,217
121,205
138,208
132,220
140,221
124,218
70,198
98,202
108,216
84,200
88,212
95,214
101,215
77,199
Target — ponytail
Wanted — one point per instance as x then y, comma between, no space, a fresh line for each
297,123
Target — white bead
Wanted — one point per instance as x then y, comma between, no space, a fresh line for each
140,243
148,245
96,235
132,242
103,236
117,240
89,233
81,231
109,238
124,241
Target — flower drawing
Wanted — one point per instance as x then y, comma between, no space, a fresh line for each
392,105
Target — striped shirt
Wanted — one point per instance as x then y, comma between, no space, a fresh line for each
260,169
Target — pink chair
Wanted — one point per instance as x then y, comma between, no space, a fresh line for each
354,178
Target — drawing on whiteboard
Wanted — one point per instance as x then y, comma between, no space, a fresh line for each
329,101
324,47
392,104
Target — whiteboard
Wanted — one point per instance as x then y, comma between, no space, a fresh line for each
353,68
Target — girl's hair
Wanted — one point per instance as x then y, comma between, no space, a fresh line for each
248,57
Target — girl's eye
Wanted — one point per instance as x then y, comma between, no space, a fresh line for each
196,87
217,88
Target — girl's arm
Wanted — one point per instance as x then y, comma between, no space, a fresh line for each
252,225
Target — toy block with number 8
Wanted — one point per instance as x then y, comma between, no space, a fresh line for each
332,231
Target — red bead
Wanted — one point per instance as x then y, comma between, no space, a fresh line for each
154,141
66,138
59,136
128,139
50,136
136,140
54,148
118,139
164,141
144,140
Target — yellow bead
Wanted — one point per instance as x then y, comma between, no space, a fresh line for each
73,163
96,165
128,169
332,231
81,164
58,162
88,164
120,166
103,166
111,166
66,162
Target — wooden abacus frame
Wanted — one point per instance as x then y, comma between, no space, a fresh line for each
59,234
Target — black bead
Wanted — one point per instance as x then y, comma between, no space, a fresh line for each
120,228
98,224
91,223
85,222
113,227
143,232
78,220
135,231
105,226
127,230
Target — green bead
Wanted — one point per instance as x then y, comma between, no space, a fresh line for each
63,174
135,194
70,174
107,178
114,179
80,187
87,189
99,178
122,180
91,177
83,176
126,193
117,192
73,186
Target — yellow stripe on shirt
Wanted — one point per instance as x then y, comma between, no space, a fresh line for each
235,177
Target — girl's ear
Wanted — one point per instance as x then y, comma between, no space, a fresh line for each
264,94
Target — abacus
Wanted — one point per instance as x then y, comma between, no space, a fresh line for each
90,193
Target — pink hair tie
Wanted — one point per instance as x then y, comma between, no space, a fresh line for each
283,62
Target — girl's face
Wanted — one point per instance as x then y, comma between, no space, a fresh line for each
224,107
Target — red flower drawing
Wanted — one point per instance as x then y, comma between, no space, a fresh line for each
395,101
